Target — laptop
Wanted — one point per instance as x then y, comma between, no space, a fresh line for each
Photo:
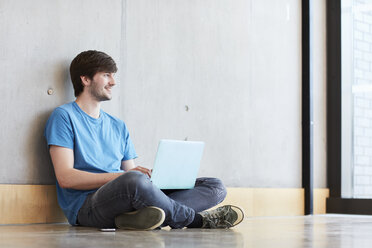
177,164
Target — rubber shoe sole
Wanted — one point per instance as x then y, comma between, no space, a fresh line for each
240,215
148,218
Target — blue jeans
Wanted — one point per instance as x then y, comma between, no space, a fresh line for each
134,190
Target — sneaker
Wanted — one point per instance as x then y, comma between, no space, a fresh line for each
148,218
223,217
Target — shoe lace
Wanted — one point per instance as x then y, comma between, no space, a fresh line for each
219,218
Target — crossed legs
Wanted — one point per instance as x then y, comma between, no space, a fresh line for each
133,190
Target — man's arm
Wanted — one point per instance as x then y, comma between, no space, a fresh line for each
69,177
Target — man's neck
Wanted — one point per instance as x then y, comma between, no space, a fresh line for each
89,106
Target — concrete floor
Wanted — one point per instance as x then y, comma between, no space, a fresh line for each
303,231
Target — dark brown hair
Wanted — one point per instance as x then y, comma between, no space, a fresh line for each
88,63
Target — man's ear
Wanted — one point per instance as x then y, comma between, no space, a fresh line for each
85,80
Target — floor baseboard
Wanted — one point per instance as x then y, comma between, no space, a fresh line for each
26,204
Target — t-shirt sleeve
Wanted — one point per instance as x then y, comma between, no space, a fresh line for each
58,130
129,151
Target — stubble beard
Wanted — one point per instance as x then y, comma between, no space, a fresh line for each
98,94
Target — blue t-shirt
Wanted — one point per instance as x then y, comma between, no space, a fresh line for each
99,146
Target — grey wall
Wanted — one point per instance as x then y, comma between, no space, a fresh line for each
38,39
235,64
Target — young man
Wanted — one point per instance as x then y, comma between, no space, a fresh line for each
98,183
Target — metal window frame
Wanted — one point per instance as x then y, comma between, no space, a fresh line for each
307,106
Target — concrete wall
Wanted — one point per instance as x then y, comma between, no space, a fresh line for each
38,41
236,65
226,72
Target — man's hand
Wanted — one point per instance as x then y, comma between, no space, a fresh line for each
143,170
129,165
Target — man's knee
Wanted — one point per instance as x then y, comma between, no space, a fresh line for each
133,180
216,185
221,189
211,182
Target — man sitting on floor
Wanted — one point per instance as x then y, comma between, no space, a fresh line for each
98,183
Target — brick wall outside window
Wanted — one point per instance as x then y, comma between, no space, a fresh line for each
362,122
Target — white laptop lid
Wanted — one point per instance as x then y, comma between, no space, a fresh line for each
177,164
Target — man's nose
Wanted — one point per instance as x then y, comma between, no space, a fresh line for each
112,81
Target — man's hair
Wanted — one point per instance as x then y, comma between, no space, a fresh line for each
88,63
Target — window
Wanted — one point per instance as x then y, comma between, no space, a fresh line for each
349,105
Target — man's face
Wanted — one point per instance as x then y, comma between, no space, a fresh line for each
100,86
